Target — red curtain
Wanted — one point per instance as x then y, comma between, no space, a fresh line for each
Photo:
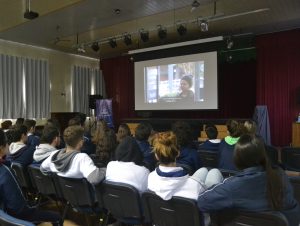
278,79
118,76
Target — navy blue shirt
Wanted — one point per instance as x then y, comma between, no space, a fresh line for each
226,156
247,191
189,156
11,196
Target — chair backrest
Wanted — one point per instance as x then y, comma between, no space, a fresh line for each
44,183
121,200
290,158
175,212
272,153
22,175
77,191
209,158
234,218
7,220
295,181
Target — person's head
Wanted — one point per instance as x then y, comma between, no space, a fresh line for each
3,144
81,117
249,152
250,127
7,124
186,82
19,134
50,135
211,132
19,122
234,128
73,137
30,124
128,151
106,144
74,122
165,147
123,131
183,133
143,131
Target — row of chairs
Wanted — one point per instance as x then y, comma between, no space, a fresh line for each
125,204
290,157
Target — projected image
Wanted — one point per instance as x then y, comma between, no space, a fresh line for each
182,82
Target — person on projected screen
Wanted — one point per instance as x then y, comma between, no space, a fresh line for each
186,83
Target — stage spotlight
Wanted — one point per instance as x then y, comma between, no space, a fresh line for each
181,29
113,43
162,32
229,43
144,35
203,25
95,46
127,39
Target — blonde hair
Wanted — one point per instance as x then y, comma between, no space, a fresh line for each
165,147
73,135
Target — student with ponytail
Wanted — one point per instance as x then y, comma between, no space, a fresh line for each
258,187
167,180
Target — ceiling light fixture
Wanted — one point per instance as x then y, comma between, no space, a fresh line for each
144,35
95,46
162,32
81,49
229,43
127,39
203,24
30,15
181,29
113,42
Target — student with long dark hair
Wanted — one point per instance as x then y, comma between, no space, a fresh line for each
258,187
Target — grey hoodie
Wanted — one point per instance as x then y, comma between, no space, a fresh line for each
62,159
42,152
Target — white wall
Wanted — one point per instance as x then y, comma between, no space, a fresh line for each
60,66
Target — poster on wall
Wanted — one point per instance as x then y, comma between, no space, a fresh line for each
104,111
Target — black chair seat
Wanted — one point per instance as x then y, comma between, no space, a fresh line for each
123,201
175,212
290,157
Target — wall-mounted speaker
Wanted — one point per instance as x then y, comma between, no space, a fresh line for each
92,100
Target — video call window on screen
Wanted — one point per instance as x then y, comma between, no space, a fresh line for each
174,82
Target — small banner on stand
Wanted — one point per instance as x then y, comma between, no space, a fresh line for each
104,111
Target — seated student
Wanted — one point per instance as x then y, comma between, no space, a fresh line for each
32,139
49,141
106,142
142,133
227,145
188,157
212,143
123,131
168,180
11,198
55,122
18,150
250,127
6,125
88,147
128,167
258,187
70,162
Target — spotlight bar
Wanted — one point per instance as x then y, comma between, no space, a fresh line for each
174,45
